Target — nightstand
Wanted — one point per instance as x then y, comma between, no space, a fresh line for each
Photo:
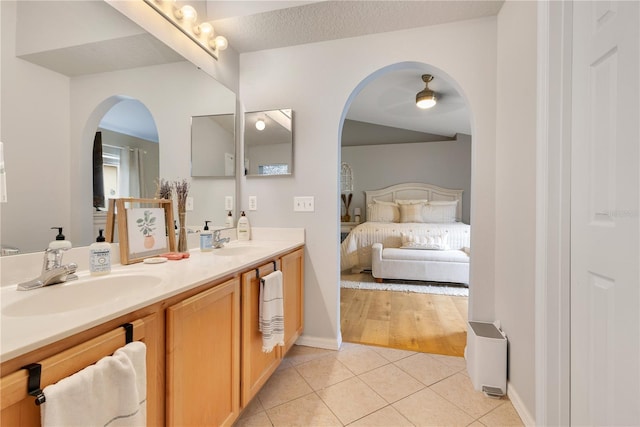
345,228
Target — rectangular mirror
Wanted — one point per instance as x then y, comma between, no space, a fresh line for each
213,147
268,143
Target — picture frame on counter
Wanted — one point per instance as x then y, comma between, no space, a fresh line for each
145,228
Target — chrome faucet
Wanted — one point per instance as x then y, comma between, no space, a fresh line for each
53,271
217,241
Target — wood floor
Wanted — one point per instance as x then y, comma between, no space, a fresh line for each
409,321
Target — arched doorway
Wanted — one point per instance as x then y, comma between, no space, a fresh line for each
386,140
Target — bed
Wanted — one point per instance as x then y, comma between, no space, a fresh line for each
413,231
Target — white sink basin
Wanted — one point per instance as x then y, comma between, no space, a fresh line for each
86,292
237,250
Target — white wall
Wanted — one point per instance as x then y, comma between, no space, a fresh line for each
444,163
329,77
515,192
35,133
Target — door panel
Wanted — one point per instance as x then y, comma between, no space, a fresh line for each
605,186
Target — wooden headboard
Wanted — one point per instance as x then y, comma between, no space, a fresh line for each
416,190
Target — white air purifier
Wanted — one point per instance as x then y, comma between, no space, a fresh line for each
486,356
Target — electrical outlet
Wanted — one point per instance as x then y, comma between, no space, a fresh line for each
303,204
253,203
228,203
189,203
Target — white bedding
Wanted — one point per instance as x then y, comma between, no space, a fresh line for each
355,250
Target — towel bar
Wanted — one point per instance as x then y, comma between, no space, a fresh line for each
275,267
33,383
128,333
57,367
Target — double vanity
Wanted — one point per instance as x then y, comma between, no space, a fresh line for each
198,318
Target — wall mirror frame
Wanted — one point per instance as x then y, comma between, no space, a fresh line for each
268,143
213,146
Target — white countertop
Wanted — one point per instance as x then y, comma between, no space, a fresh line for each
23,332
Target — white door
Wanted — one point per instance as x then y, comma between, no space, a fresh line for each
605,187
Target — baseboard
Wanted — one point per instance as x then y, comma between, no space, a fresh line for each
318,342
519,406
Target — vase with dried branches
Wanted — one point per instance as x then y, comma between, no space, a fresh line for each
346,199
181,189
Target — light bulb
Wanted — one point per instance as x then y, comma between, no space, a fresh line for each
260,125
205,29
186,12
221,42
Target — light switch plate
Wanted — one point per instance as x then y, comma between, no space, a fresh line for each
253,203
303,204
189,203
228,203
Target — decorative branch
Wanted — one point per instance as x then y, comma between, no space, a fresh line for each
181,189
163,189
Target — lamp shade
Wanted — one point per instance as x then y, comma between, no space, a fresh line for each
426,98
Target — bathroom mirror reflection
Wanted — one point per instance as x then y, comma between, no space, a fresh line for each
58,88
213,146
268,143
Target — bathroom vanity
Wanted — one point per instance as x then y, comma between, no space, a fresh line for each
199,322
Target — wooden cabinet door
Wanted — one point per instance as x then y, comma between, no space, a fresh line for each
19,409
293,277
203,358
257,366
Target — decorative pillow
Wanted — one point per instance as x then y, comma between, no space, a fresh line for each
412,202
384,202
440,211
437,241
411,213
383,212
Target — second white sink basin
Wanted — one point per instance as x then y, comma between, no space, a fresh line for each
79,294
234,250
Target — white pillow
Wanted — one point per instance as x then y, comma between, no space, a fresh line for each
411,213
383,212
440,211
438,241
412,202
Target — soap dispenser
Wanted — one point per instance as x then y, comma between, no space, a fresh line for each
54,252
244,228
206,238
100,256
60,242
229,220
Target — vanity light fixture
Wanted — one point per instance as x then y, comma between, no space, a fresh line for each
185,19
426,98
260,125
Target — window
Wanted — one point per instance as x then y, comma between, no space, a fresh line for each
277,169
346,179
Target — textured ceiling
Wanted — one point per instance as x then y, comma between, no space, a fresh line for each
329,20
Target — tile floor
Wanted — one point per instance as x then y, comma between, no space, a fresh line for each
373,386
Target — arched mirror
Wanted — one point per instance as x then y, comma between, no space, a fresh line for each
125,156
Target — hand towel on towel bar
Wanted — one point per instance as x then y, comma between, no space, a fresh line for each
112,392
271,309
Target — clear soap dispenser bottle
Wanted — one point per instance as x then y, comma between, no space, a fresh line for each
100,256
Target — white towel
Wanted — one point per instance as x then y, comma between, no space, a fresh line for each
112,392
271,311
